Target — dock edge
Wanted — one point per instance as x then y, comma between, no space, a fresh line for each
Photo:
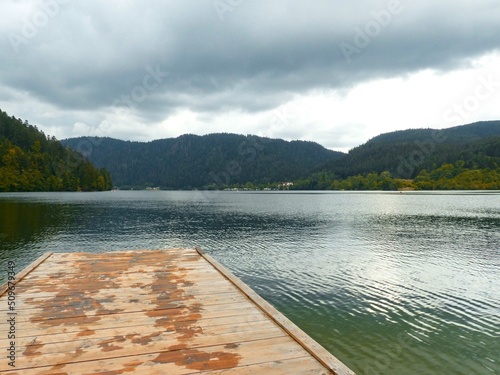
303,339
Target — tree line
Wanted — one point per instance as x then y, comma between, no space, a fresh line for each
446,177
32,161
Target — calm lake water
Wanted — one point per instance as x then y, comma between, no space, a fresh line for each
389,283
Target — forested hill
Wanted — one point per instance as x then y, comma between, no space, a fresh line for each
31,161
405,153
210,161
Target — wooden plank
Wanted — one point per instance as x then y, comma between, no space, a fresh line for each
69,270
121,256
315,349
267,346
124,253
44,300
148,312
54,276
82,254
28,329
182,260
124,338
58,312
104,306
219,286
139,280
148,272
144,325
21,275
306,365
34,298
145,365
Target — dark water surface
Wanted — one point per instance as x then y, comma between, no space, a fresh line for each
390,283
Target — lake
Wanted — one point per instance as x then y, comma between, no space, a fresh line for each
390,283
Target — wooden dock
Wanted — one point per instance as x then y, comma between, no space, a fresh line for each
175,311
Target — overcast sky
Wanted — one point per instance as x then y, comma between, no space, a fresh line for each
337,72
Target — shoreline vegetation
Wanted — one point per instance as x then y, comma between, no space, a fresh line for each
457,176
473,179
448,177
31,161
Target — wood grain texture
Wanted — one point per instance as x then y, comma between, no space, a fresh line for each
173,311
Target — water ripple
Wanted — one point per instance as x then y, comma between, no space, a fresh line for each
389,283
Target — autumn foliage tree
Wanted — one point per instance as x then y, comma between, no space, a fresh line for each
31,161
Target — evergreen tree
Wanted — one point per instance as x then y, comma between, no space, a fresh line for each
31,161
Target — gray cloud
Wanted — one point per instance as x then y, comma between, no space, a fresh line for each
89,55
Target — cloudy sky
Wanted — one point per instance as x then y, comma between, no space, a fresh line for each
337,72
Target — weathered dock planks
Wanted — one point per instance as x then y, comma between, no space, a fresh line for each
174,311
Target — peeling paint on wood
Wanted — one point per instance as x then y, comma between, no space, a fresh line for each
144,312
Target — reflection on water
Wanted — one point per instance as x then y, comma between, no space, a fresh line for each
24,224
389,283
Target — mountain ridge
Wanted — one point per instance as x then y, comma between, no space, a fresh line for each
208,161
220,160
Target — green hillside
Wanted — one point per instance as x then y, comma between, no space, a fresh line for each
210,161
31,161
462,157
404,153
